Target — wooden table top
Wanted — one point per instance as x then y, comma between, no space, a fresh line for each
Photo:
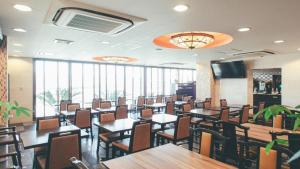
155,105
162,118
116,126
205,112
231,109
111,109
72,113
32,138
240,106
262,133
168,156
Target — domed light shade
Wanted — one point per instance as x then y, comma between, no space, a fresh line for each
191,40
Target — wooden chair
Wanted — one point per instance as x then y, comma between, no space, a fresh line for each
73,106
206,104
170,108
96,103
209,141
9,137
149,101
278,121
146,113
63,105
121,112
121,101
61,147
223,103
186,108
294,146
260,119
140,139
168,99
243,117
174,98
159,99
104,136
209,123
181,132
105,104
83,119
44,123
140,103
185,98
273,160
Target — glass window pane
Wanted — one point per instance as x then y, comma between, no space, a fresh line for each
120,80
51,94
174,80
88,83
160,82
129,84
103,81
154,82
77,83
149,82
39,88
63,80
194,75
167,82
111,85
138,82
97,81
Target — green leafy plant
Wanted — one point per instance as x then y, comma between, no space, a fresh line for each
274,110
51,99
7,107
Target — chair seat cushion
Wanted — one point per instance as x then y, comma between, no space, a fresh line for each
196,120
122,144
41,160
169,134
108,137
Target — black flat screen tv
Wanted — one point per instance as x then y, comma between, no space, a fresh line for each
234,69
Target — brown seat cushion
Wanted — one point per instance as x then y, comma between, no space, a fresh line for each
122,144
167,133
108,137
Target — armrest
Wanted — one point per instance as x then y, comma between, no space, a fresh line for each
8,128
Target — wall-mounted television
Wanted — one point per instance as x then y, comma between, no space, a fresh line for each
236,69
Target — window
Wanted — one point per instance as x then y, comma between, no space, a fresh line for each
81,82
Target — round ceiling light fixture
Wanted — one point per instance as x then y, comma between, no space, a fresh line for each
19,30
278,41
191,40
115,59
23,8
246,29
181,8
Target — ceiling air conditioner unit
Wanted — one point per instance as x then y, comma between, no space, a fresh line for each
84,17
248,55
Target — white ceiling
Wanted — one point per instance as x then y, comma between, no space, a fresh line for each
270,20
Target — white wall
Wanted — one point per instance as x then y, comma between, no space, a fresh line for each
203,87
290,65
20,72
234,90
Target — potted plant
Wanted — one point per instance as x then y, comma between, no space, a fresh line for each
7,107
274,110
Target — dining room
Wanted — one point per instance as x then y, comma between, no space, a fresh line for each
136,84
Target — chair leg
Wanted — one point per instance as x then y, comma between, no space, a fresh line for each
157,140
98,145
106,151
91,130
191,143
113,154
15,161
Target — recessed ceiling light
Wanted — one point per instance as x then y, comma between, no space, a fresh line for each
279,41
19,30
105,42
17,44
22,8
298,49
246,29
222,58
181,8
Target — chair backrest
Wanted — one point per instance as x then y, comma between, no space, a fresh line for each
206,104
278,121
207,140
96,103
174,98
267,161
244,115
149,101
141,136
146,113
83,118
159,99
63,104
187,107
208,99
170,108
121,101
182,126
106,117
46,123
223,103
185,98
168,99
224,115
122,112
141,101
61,147
261,106
73,106
105,104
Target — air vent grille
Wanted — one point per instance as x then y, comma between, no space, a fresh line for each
93,24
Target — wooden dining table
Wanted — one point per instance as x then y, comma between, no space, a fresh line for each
72,113
106,110
211,114
168,156
32,138
155,106
262,133
117,126
162,119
